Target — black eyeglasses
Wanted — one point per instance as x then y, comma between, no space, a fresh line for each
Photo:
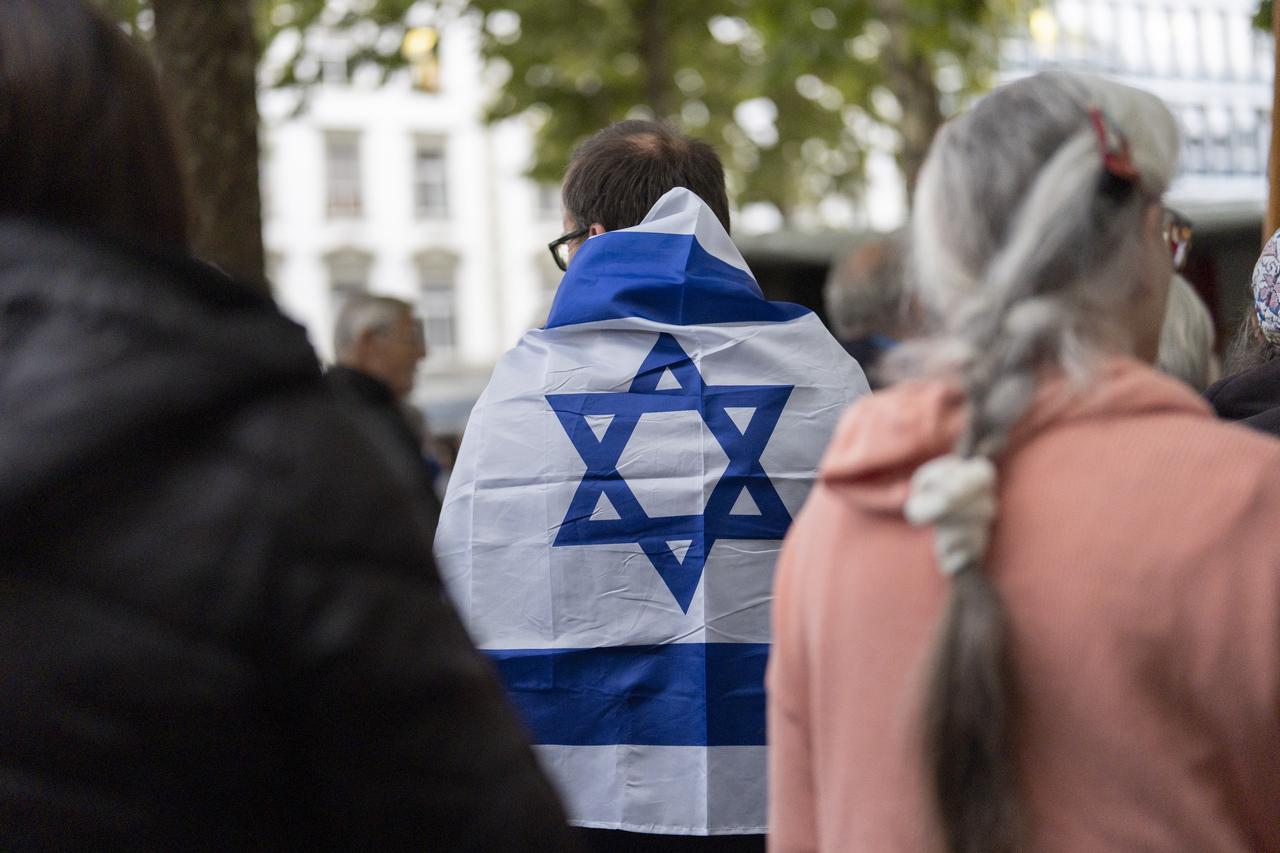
560,247
1177,233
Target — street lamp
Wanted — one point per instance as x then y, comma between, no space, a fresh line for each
1043,25
420,48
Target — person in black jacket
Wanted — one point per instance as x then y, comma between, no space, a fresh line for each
378,343
220,623
1250,393
867,307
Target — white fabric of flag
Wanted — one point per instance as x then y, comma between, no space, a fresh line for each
611,526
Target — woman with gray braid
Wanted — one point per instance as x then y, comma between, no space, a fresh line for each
1034,604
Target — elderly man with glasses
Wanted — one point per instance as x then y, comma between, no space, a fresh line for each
378,343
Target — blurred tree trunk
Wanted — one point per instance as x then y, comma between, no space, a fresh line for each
910,78
208,56
653,53
1272,221
912,81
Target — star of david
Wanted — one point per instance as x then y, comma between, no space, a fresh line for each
741,417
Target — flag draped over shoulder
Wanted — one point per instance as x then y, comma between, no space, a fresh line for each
611,526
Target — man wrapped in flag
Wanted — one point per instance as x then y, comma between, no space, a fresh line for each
625,481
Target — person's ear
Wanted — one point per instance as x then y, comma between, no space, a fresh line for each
595,230
1151,228
1153,221
364,341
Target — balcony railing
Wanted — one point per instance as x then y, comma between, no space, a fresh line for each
1207,61
1209,42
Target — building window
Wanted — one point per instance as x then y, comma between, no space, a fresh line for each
436,277
430,188
1194,148
348,275
342,167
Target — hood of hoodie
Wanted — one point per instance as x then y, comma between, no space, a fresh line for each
107,349
884,437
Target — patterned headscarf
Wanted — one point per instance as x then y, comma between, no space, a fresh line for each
1266,289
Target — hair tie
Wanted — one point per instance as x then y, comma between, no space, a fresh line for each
958,496
1114,146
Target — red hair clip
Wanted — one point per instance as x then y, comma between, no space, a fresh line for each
1116,156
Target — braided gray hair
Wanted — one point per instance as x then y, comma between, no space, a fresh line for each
1028,247
1025,246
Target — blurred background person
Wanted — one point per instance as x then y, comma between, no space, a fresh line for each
220,623
378,344
1187,338
1250,393
1036,595
380,339
865,303
429,447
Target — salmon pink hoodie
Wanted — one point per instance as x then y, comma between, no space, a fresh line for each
1137,548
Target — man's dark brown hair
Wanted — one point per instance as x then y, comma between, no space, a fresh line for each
84,137
618,174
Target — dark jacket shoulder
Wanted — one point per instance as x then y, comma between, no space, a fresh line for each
1251,397
372,402
220,622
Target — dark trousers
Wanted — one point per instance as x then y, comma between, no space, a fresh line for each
616,841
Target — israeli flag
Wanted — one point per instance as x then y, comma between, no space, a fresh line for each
611,527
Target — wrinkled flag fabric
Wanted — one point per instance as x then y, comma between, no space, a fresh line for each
611,526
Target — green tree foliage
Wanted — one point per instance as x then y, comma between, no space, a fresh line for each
208,55
372,29
794,93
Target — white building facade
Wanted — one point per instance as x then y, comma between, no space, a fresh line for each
1214,69
1206,61
399,191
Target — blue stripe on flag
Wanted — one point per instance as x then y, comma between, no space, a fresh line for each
678,694
666,278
